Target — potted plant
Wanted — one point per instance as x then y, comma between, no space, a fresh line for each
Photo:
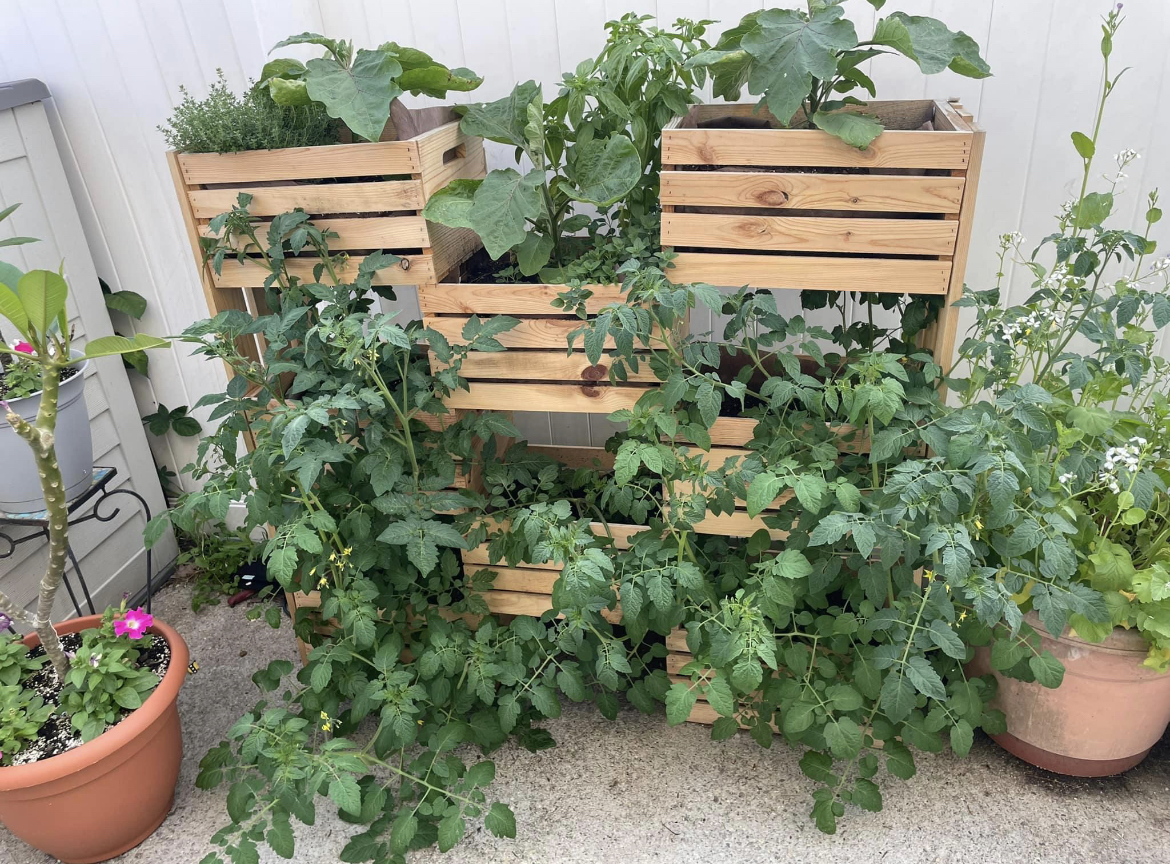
595,144
84,699
813,188
1094,412
279,145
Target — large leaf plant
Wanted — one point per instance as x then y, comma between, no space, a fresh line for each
357,87
806,63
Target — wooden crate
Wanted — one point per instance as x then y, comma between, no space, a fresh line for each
371,194
800,209
535,373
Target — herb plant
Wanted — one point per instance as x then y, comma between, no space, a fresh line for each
23,713
806,63
357,87
227,123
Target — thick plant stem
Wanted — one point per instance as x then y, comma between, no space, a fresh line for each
40,439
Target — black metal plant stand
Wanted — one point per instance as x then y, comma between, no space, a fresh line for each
79,512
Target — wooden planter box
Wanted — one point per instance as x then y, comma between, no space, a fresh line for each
800,209
535,373
371,194
679,655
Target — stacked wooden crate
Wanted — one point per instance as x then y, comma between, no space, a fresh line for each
799,209
370,194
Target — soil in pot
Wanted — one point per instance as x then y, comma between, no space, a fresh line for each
66,373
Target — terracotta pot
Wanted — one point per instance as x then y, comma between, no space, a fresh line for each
1102,720
98,800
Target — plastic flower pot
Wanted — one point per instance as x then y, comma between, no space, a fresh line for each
1102,720
105,797
20,491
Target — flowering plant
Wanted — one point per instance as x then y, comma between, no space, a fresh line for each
1067,384
33,306
21,375
105,678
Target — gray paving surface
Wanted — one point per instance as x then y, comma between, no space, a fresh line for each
636,790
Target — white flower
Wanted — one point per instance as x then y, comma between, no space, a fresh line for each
1160,265
1012,238
1067,478
1126,156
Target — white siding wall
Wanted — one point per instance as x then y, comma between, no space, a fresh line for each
115,66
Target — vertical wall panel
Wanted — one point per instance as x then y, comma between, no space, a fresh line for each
114,67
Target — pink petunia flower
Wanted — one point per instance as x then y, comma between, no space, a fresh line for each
23,348
133,624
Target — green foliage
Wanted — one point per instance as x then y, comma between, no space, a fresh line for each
357,487
104,681
357,87
176,420
805,64
216,553
20,376
1068,386
23,713
227,123
596,143
15,663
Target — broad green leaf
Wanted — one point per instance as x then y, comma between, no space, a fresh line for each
451,830
867,796
451,205
790,51
500,821
720,698
930,44
1094,209
762,492
899,759
924,678
856,130
504,120
129,303
1084,145
13,310
791,564
437,80
504,202
946,639
333,46
285,91
533,253
604,172
962,737
1048,670
108,346
360,95
897,699
680,699
346,794
1091,420
844,737
42,293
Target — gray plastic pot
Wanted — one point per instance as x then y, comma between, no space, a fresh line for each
20,485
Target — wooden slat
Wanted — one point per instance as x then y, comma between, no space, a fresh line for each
519,603
732,431
302,163
370,232
252,274
542,366
313,198
565,398
676,640
529,333
455,298
530,580
868,192
812,272
893,113
737,524
811,234
436,169
812,148
450,247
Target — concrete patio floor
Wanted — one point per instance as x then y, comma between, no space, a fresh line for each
636,790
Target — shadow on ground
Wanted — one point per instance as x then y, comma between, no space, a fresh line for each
635,790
